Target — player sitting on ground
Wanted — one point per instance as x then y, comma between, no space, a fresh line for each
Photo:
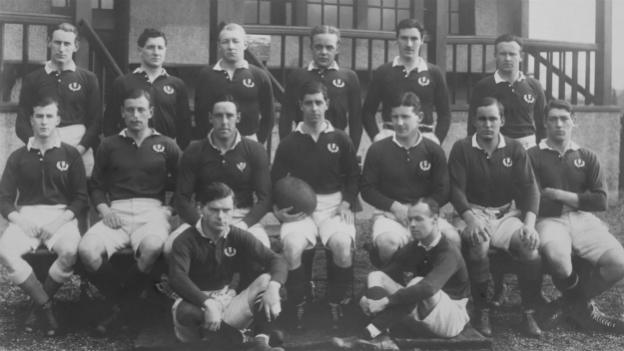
572,186
202,263
43,189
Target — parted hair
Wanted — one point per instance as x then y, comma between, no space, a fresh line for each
150,33
214,191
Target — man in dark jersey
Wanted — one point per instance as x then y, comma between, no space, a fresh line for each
343,86
133,169
204,259
408,72
398,171
323,157
233,75
434,298
494,190
76,90
42,191
572,186
171,106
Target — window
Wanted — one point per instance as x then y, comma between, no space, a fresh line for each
338,13
461,17
257,12
102,4
384,14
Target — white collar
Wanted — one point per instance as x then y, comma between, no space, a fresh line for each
571,146
396,141
421,66
313,66
33,144
200,229
163,71
433,244
499,79
328,128
124,132
237,140
501,142
240,64
49,67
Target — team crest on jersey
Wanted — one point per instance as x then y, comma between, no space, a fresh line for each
168,89
425,165
333,148
158,147
75,86
579,163
241,166
507,162
424,81
529,98
249,83
62,166
229,251
338,83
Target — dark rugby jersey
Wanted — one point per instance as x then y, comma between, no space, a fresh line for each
343,90
393,173
389,83
441,266
251,88
77,92
577,171
199,264
56,177
124,171
328,165
492,181
244,168
169,97
523,101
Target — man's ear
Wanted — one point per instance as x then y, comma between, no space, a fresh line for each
502,121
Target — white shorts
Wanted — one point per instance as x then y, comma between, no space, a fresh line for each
385,222
40,215
322,224
142,217
501,229
236,313
587,235
72,135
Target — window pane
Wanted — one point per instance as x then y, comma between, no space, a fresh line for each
346,2
314,15
107,4
389,20
331,15
389,3
289,14
346,17
402,14
265,13
95,4
454,5
331,1
59,3
374,19
251,12
374,2
403,4
454,23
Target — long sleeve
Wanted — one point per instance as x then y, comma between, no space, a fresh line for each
8,186
78,187
595,197
355,111
370,180
179,268
371,104
93,113
267,109
351,172
111,123
262,187
441,183
442,105
98,187
183,118
538,111
527,191
457,173
185,186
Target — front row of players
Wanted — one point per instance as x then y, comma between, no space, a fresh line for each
501,208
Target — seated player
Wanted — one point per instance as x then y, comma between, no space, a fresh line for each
489,173
132,171
42,191
398,170
324,158
434,300
572,186
202,263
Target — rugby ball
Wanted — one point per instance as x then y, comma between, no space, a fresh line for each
292,191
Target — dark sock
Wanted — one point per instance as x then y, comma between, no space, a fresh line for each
307,262
329,264
530,283
295,285
376,293
50,286
338,285
479,294
106,281
32,286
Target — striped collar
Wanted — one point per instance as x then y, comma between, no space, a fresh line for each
34,144
49,67
326,129
313,66
237,141
501,142
240,64
543,145
421,66
499,79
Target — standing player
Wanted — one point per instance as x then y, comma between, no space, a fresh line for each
572,187
522,96
343,86
434,300
233,75
408,72
204,259
400,170
324,157
42,191
488,173
76,90
171,105
132,171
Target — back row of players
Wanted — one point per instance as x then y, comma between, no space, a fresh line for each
492,186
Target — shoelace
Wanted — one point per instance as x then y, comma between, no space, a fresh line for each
601,319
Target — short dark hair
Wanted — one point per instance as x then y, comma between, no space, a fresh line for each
434,207
150,33
324,29
138,93
560,104
410,23
46,101
313,87
489,101
508,38
226,98
66,27
214,191
409,99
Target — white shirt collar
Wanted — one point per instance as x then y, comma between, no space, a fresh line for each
571,146
49,67
163,71
124,132
326,129
33,144
499,79
433,244
312,66
200,229
396,141
240,64
237,140
501,142
420,67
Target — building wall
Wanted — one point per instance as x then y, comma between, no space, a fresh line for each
37,6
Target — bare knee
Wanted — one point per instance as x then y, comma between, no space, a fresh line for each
478,251
92,254
149,250
293,249
387,244
558,258
611,265
340,246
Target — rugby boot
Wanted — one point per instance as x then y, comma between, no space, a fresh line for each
529,324
589,318
336,311
553,313
481,321
104,326
30,323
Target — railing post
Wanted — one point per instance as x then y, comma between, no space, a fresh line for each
83,12
603,52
